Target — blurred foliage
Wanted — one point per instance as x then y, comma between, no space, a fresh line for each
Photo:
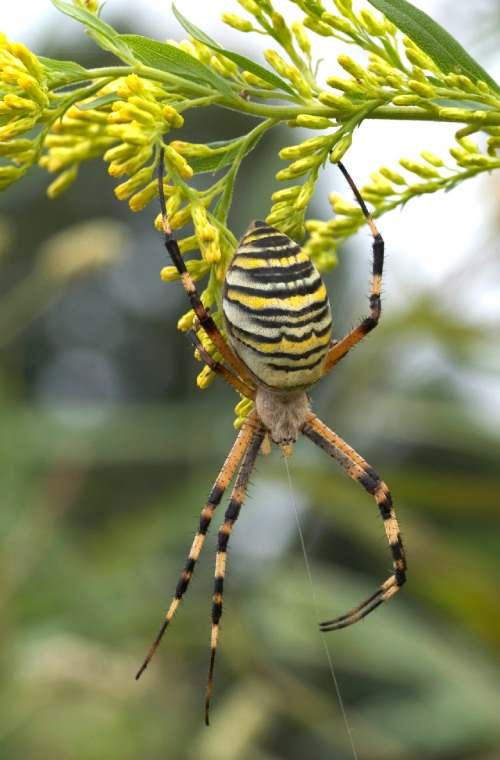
107,454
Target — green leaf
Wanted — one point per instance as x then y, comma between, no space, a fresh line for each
173,60
220,159
245,63
63,68
435,41
102,33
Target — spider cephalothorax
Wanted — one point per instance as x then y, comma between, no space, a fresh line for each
278,319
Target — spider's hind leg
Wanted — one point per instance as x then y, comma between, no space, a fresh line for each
356,467
220,486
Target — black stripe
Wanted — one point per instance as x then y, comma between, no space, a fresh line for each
291,368
288,290
299,271
281,334
261,316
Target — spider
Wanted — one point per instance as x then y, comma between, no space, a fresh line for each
278,320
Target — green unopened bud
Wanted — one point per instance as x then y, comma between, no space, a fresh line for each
431,158
461,114
340,104
198,150
407,100
287,194
305,148
421,170
317,26
313,122
468,144
392,176
276,61
344,7
281,30
352,68
340,148
298,81
337,23
300,167
304,196
343,84
372,25
241,24
422,89
417,57
381,184
251,7
302,37
254,81
343,207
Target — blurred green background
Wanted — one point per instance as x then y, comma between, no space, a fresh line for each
108,451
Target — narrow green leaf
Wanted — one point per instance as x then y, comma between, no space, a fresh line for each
245,63
220,159
102,33
173,60
63,68
439,45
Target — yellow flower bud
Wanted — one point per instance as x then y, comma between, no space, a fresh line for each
313,122
302,38
241,24
431,158
276,61
424,90
372,25
62,182
421,170
179,162
352,68
337,23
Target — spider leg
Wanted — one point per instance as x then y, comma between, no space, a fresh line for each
220,486
359,470
339,349
204,318
240,385
230,517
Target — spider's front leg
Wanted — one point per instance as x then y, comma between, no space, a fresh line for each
356,467
339,349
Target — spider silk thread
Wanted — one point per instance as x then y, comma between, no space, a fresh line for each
315,602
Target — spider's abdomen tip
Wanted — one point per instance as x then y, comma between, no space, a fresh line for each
286,449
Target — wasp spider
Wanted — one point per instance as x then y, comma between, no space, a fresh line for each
278,319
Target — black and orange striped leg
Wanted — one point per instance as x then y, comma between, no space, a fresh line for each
204,318
232,513
218,490
240,385
359,470
339,349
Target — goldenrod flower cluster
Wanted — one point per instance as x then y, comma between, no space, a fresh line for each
24,98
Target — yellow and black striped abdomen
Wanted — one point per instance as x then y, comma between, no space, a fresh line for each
276,310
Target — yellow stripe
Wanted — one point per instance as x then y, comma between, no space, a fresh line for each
293,303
